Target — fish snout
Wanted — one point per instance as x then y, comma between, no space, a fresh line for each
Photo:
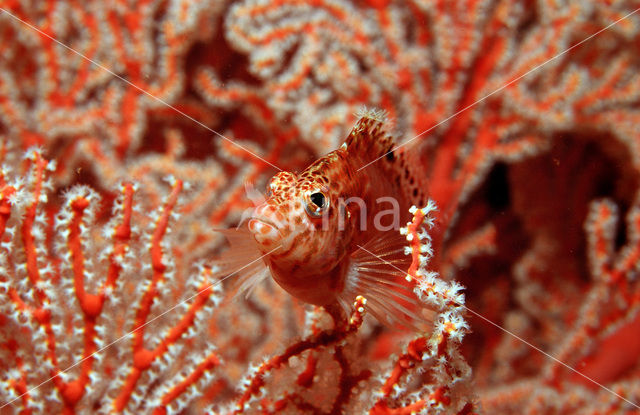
264,232
270,225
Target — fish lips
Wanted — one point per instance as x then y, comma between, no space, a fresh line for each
265,231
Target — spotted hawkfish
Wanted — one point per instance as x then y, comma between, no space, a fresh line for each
330,233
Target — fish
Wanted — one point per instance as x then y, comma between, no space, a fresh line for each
331,232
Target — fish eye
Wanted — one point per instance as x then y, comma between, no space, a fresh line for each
318,199
316,204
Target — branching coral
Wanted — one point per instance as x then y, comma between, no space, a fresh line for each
104,318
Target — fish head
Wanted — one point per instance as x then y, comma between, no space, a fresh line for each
300,218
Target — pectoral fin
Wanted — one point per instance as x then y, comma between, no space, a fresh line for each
377,271
241,264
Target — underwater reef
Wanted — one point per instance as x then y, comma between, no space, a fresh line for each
129,131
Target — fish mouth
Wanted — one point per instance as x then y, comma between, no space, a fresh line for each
264,230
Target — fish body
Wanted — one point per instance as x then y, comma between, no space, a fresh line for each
331,232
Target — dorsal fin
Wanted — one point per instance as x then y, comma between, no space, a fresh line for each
369,137
369,143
